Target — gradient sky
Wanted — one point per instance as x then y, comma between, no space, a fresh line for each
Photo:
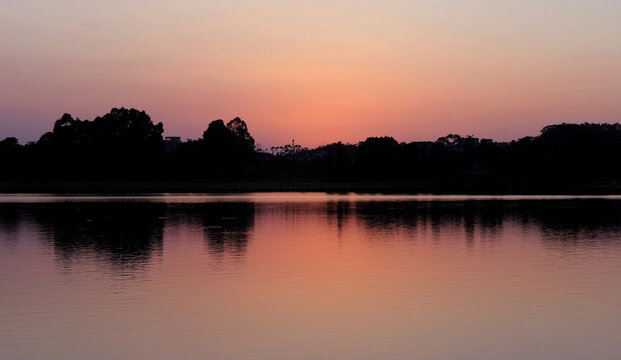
317,71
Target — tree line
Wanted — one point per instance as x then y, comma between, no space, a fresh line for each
125,145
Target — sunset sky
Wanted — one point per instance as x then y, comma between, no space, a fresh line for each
317,71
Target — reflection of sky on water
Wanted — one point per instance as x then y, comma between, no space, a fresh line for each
343,277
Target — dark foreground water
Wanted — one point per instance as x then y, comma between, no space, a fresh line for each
309,276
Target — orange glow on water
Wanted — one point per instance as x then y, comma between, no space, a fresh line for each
280,276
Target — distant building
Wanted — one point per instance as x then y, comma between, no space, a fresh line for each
172,142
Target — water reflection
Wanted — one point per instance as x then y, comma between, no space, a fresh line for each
338,212
574,222
125,235
226,226
9,222
336,278
562,220
130,234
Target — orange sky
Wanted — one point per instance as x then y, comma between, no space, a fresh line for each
318,71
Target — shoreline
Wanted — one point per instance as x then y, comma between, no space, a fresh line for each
337,187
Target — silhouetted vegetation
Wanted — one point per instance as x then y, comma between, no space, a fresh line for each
126,146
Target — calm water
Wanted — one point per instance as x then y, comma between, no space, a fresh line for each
309,276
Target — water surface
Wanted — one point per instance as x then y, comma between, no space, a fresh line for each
309,276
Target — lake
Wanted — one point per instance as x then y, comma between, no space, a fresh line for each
310,276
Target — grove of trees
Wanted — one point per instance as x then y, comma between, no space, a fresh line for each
124,145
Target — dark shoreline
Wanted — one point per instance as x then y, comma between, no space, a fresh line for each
338,187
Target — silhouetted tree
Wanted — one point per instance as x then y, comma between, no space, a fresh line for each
378,158
239,127
227,149
12,158
9,143
125,145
